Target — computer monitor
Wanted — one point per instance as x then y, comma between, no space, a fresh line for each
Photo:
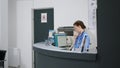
60,39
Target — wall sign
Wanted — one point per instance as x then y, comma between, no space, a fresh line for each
43,17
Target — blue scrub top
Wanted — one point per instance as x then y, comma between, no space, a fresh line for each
79,41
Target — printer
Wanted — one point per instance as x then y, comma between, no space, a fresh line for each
64,36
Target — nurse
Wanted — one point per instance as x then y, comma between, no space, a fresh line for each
82,40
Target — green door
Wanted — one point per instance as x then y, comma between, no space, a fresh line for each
43,22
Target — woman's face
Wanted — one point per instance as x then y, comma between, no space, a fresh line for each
77,28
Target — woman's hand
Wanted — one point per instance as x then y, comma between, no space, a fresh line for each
75,35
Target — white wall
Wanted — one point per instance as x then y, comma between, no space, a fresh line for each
0,24
4,24
4,28
12,24
66,12
24,31
43,3
20,29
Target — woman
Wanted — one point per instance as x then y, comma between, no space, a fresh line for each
82,40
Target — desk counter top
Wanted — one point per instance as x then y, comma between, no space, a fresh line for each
50,50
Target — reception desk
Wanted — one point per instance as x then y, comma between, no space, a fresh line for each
48,55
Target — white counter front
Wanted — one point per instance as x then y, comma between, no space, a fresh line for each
42,45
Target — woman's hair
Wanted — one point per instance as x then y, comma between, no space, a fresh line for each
79,23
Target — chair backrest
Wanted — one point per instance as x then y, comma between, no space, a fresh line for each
2,54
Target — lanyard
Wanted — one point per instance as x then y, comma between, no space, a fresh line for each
83,44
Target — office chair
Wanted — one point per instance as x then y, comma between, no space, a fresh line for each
2,58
